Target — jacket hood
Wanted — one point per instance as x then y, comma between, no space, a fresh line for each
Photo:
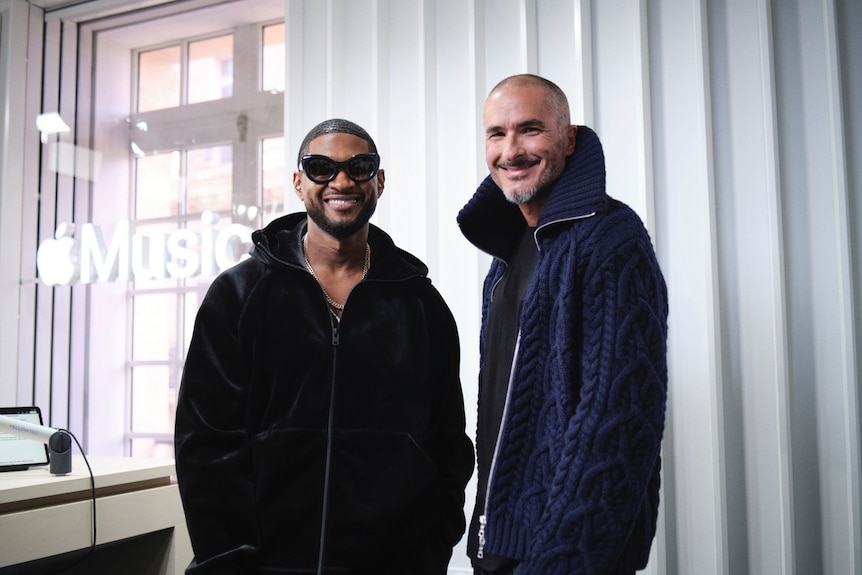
279,245
493,224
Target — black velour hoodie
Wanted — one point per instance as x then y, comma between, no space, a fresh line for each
303,447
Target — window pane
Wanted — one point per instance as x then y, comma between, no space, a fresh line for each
154,333
211,69
209,179
179,190
216,251
158,193
159,79
191,305
146,447
272,178
154,400
273,58
150,257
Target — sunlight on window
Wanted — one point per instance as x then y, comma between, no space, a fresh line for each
273,58
194,176
272,179
158,189
209,179
159,79
150,259
210,69
151,395
151,313
152,447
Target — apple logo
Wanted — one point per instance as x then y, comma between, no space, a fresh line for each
57,259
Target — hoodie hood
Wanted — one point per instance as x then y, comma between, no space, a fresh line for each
279,245
493,224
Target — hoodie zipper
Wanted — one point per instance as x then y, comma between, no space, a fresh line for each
329,426
483,518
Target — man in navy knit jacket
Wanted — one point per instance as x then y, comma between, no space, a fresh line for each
573,372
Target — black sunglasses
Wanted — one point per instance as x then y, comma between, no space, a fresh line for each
321,169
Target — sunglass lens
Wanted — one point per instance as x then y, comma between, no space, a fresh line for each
362,168
319,169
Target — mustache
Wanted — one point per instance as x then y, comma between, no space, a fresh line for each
518,163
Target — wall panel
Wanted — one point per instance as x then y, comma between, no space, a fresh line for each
49,193
621,54
848,16
20,75
752,294
685,239
824,376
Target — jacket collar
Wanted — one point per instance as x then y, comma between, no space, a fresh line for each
493,224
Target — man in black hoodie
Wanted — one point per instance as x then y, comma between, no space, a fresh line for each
320,423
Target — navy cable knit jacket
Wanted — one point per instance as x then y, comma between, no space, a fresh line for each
576,477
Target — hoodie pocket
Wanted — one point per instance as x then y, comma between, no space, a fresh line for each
381,492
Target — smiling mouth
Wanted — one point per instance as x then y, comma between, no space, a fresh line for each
517,174
522,164
517,169
339,201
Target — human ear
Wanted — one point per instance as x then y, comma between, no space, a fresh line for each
571,137
381,182
297,184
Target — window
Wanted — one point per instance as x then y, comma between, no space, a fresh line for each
273,58
203,154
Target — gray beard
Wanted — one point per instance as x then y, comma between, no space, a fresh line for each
527,196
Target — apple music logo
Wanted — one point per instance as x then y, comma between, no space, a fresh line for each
74,255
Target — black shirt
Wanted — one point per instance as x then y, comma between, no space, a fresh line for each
502,333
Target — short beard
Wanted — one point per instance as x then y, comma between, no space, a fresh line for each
345,230
525,196
542,188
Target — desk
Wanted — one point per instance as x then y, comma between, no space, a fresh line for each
137,505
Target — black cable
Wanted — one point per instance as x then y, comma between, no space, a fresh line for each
93,499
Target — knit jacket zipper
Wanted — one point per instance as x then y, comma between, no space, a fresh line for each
480,553
483,518
559,221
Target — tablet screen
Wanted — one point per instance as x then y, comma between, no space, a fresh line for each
19,453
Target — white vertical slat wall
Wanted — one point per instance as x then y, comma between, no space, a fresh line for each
14,167
731,126
695,493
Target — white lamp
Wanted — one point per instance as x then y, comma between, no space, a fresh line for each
58,441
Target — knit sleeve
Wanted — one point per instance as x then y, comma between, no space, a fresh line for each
605,482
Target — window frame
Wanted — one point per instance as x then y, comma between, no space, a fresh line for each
98,393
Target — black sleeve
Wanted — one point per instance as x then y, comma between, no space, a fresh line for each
448,446
212,448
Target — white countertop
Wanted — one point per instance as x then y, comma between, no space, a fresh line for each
111,473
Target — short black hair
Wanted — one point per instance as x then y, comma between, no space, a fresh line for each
334,126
